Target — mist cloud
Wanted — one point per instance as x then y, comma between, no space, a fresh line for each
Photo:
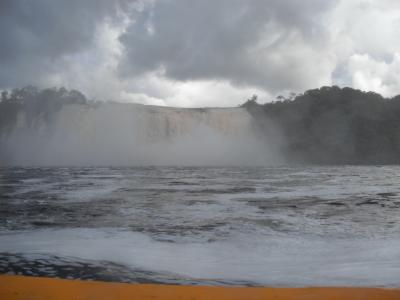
137,135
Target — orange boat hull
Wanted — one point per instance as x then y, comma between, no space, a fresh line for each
35,288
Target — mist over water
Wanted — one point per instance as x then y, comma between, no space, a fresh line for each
129,134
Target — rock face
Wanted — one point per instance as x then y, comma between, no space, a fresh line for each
132,134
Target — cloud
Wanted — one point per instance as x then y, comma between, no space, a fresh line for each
371,74
269,44
199,53
36,36
365,45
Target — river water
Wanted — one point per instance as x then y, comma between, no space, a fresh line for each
272,226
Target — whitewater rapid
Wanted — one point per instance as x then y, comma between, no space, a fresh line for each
281,226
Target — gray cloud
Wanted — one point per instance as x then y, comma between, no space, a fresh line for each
35,35
190,52
246,42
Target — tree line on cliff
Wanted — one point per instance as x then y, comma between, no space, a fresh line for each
333,125
35,103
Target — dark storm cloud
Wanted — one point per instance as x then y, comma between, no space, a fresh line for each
245,42
35,34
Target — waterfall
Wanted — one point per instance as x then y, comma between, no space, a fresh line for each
133,134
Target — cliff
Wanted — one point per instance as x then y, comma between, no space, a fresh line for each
333,125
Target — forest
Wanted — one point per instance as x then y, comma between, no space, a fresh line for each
333,125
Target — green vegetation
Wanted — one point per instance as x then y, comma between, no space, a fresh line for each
333,125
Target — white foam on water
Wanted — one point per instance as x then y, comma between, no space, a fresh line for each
273,261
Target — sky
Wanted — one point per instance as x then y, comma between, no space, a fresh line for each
192,53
